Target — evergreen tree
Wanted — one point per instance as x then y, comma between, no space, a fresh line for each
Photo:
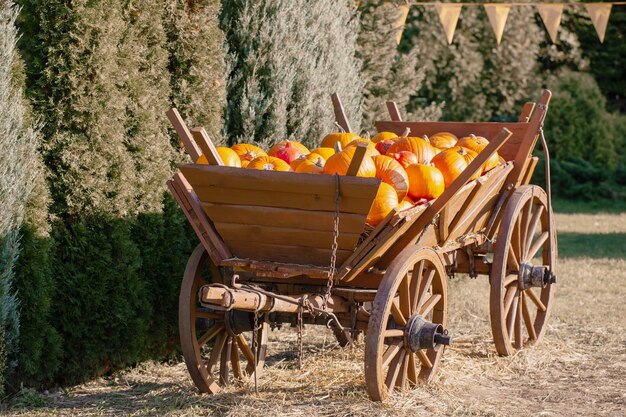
196,62
20,170
286,57
388,73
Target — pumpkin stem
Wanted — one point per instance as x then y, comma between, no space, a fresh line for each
426,138
406,133
473,136
338,147
341,129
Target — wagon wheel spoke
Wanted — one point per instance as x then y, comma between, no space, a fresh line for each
391,352
424,288
511,293
210,334
402,376
535,299
424,359
394,370
513,261
216,351
511,316
398,316
224,361
518,324
202,314
534,222
394,333
429,304
405,296
528,320
416,282
537,245
412,370
234,359
510,279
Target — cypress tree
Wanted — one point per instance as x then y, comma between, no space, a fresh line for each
285,58
388,73
196,62
21,187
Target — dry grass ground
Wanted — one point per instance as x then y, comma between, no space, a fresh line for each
579,369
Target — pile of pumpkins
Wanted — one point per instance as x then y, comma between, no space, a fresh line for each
412,169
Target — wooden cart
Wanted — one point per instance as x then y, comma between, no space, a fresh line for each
268,238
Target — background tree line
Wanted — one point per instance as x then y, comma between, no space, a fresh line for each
92,248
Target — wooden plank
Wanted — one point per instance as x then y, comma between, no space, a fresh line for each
527,110
206,144
451,209
280,217
340,113
256,234
486,129
289,182
530,169
284,253
482,201
183,133
278,270
394,112
357,159
429,214
301,201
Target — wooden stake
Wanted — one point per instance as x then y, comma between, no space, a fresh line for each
183,133
357,159
340,114
393,110
206,144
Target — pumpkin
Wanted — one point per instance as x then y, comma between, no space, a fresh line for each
477,144
384,136
371,146
391,172
425,181
288,150
247,152
383,145
405,204
229,157
324,152
269,163
386,200
296,162
339,163
405,158
443,140
453,161
313,165
343,138
419,146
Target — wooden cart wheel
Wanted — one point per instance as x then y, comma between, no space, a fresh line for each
521,282
403,345
216,345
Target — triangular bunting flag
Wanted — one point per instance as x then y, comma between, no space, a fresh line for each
497,14
404,12
599,13
551,16
449,16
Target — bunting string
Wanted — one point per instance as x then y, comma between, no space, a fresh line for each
497,13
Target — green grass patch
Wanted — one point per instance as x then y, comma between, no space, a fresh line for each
590,245
595,206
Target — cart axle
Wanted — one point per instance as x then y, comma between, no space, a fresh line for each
535,276
422,334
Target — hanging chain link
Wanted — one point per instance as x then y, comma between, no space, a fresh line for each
300,325
255,350
335,245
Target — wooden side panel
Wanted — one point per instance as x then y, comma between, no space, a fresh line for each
450,210
282,217
530,169
486,129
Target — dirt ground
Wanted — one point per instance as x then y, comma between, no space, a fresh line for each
578,369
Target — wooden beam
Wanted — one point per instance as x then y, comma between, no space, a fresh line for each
206,144
394,112
357,159
184,134
340,113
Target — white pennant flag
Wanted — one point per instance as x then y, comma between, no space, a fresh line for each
551,17
497,14
404,10
599,13
449,16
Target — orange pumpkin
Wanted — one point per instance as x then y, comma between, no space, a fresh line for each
343,139
386,200
313,165
269,163
229,157
340,162
288,150
419,146
477,144
391,172
443,140
453,161
384,136
371,146
405,204
247,152
425,181
324,152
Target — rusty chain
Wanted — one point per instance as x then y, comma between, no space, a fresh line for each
255,350
335,245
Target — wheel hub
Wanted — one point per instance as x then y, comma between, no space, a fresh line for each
535,276
237,322
422,334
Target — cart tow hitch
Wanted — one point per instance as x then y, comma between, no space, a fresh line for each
422,334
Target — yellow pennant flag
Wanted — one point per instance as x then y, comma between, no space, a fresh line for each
449,16
551,17
404,13
497,14
599,13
